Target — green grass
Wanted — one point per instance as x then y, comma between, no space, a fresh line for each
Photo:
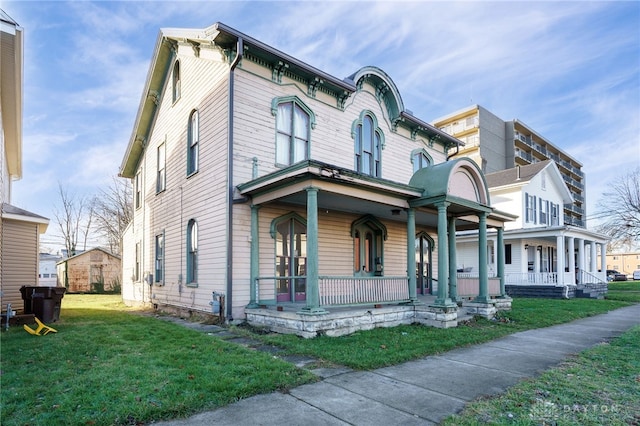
381,347
599,386
627,291
106,366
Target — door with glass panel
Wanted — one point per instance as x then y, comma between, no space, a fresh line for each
424,272
291,261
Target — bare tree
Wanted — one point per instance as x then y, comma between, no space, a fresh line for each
619,210
73,218
112,209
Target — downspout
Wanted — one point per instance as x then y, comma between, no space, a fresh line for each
456,153
229,297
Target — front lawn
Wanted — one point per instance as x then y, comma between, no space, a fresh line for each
627,291
106,366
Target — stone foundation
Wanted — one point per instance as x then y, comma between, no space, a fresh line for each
344,321
486,310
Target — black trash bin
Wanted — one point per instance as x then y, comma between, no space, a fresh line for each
43,302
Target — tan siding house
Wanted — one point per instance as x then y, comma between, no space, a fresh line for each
291,192
94,270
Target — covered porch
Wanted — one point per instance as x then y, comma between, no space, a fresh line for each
380,226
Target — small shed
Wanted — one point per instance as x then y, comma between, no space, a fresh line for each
93,271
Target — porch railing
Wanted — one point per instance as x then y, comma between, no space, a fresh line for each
359,290
532,278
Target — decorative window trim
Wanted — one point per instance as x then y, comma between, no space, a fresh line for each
358,145
284,218
284,99
423,152
292,153
193,164
375,259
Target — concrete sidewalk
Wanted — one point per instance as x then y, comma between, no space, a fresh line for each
424,391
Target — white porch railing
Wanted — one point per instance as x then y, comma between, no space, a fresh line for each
358,290
532,278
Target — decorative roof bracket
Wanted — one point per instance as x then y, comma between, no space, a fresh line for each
313,86
278,71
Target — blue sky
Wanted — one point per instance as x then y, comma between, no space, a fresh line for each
569,70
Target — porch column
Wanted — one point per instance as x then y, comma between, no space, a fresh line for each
593,268
255,259
483,296
603,260
443,300
411,254
580,259
571,255
453,262
560,259
312,290
500,259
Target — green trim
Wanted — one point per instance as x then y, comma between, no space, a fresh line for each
368,219
386,91
376,128
275,222
421,151
284,99
189,137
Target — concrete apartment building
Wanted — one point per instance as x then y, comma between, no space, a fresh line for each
495,145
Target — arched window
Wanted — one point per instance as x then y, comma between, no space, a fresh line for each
192,253
420,159
290,234
368,145
293,129
193,136
176,81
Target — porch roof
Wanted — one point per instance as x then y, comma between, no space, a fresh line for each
347,191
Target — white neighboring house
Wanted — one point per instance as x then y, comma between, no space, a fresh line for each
47,276
543,256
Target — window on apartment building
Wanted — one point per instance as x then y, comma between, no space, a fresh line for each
136,266
420,159
192,253
368,145
193,136
138,190
530,208
159,264
161,178
294,121
543,181
176,81
507,254
368,239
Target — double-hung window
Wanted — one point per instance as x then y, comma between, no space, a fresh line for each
192,253
293,130
193,143
368,145
161,178
159,266
530,208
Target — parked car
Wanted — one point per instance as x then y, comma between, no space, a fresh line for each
613,275
636,275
